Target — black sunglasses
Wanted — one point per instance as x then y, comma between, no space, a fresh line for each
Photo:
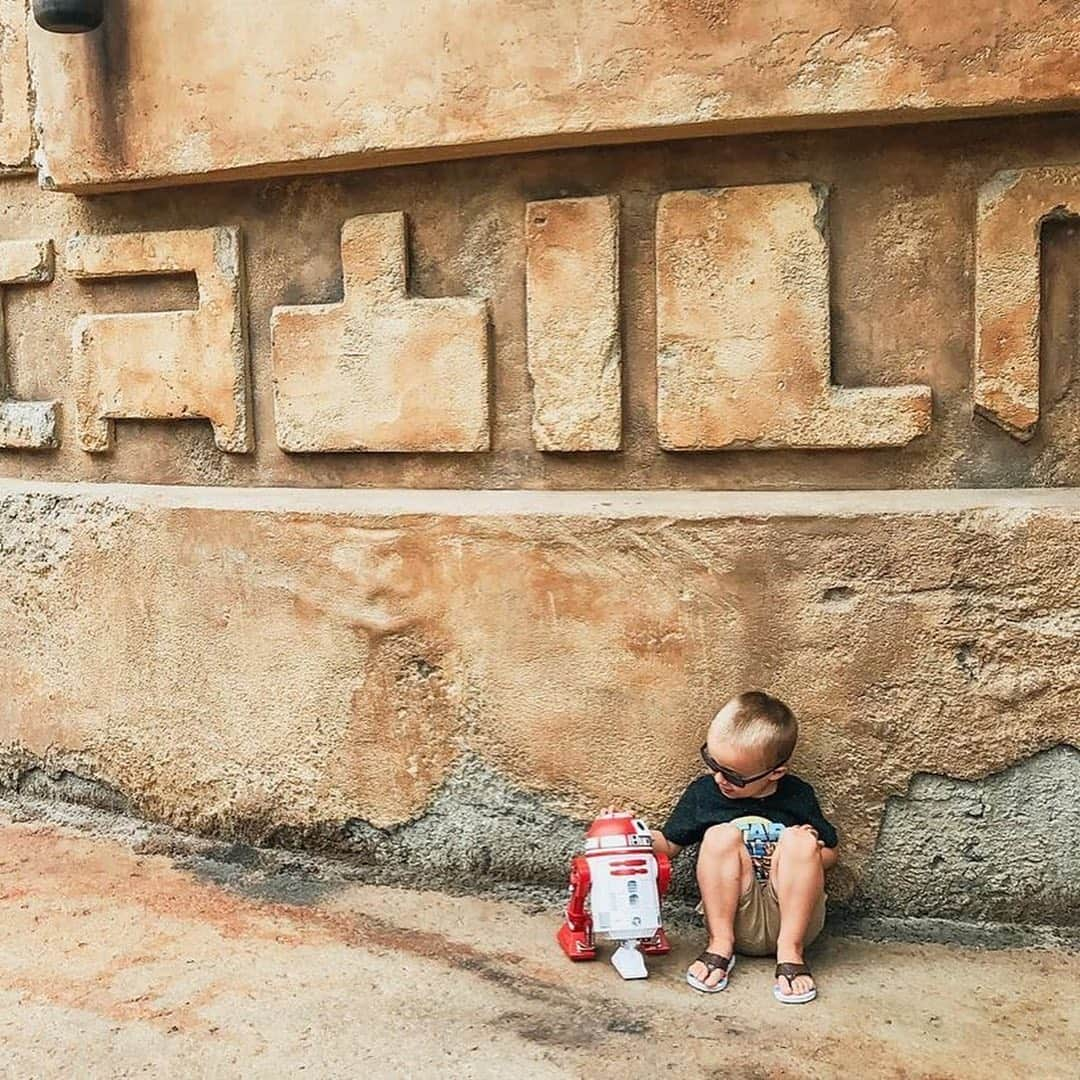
733,777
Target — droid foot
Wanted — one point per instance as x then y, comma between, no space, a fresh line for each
656,946
577,944
629,962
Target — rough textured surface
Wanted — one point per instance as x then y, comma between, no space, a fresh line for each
1013,209
381,370
14,84
400,673
1006,847
26,262
902,253
37,784
416,675
27,425
24,425
572,315
171,365
478,826
271,664
116,963
742,324
169,91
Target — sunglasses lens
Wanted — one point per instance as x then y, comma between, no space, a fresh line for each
715,767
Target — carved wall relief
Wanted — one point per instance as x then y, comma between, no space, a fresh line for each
380,370
24,425
1011,212
169,365
572,313
742,315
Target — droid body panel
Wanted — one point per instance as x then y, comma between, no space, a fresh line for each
615,891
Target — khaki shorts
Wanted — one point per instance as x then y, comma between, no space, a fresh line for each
757,920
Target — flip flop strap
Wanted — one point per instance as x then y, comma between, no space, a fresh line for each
792,971
713,962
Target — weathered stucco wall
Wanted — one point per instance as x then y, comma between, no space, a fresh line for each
253,662
457,459
169,91
1000,848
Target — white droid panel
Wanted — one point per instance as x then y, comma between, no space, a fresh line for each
625,901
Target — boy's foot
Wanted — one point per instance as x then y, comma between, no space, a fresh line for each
794,984
709,972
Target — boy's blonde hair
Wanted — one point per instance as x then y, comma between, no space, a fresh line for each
756,719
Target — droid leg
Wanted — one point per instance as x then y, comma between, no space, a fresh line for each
575,936
658,944
629,962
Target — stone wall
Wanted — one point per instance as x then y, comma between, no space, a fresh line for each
253,662
323,496
998,848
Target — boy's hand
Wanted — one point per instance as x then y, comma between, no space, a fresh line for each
828,855
810,828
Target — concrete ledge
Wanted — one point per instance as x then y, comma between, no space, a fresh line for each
619,505
169,92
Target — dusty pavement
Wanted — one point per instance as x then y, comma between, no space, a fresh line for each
115,962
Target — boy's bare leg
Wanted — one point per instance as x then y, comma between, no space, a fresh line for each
799,880
724,873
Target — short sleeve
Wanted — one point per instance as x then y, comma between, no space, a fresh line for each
684,824
825,829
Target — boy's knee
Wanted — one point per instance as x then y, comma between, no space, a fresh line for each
798,842
722,839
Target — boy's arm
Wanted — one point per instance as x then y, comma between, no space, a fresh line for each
825,831
662,843
829,855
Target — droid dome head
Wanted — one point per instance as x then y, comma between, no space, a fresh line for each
612,832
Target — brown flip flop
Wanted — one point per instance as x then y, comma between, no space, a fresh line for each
713,962
789,972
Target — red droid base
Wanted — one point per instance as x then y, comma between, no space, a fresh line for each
615,888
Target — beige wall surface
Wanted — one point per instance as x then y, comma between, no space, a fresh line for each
246,661
318,492
15,133
171,91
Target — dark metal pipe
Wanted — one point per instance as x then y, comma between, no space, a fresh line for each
69,16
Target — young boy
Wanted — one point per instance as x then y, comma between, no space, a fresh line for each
765,847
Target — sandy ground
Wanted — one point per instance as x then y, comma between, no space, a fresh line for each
115,963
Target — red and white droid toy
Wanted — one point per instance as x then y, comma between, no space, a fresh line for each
615,890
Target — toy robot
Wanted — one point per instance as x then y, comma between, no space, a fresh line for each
615,889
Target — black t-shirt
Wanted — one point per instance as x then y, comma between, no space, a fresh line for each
761,820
